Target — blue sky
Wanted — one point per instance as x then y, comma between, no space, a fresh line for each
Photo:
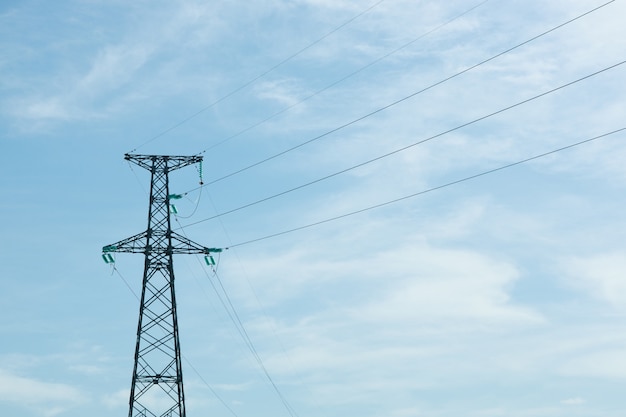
500,296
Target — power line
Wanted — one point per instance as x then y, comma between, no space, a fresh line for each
245,273
471,177
226,302
126,282
244,334
352,74
379,110
258,77
210,388
438,135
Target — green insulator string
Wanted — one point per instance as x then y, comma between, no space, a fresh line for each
200,172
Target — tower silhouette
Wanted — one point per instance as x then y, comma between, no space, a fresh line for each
157,382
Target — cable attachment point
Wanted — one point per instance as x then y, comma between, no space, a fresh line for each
209,259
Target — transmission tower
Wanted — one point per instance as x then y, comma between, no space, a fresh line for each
157,384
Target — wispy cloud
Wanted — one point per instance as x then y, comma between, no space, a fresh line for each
48,398
601,275
573,401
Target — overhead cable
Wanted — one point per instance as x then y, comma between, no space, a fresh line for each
404,148
219,398
344,78
465,179
354,121
226,302
242,330
255,79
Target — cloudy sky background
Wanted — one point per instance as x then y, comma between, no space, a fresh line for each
500,296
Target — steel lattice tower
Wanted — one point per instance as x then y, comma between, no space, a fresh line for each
157,384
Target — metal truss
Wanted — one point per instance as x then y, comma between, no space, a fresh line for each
157,383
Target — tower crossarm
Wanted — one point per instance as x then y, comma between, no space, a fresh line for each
180,244
133,244
173,162
138,244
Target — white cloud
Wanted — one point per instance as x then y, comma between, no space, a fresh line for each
49,398
444,284
284,92
407,412
602,276
113,67
601,363
232,387
573,401
117,399
88,369
109,73
517,412
391,323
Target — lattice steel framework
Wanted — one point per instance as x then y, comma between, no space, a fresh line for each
157,383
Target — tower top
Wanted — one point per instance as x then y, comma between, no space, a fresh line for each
172,162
